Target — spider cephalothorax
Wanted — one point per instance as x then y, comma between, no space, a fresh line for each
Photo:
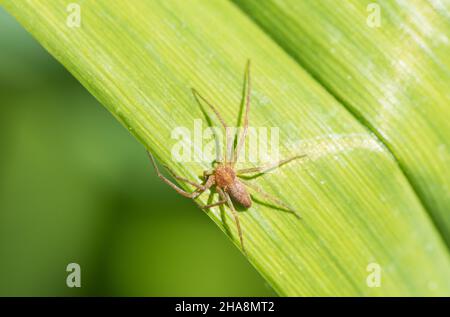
225,178
224,175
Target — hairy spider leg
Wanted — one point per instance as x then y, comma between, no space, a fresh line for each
197,96
174,175
219,203
200,188
273,199
241,140
226,197
268,167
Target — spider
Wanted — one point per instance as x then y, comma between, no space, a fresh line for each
224,177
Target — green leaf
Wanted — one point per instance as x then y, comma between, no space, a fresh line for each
394,78
358,208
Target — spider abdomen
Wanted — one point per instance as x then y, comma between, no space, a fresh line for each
239,194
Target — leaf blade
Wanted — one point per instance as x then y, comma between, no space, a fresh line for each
141,67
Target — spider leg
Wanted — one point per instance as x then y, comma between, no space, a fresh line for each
271,198
220,202
225,196
213,108
207,173
241,140
180,191
197,96
195,184
268,167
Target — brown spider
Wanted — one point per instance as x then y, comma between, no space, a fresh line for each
224,177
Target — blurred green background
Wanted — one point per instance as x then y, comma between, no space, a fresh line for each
75,186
